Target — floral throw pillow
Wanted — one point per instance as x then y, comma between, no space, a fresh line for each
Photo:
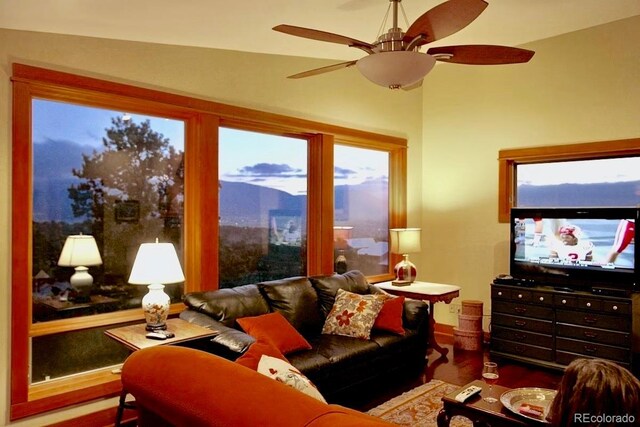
285,373
353,315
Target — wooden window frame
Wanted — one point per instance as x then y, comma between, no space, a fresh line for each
508,159
203,120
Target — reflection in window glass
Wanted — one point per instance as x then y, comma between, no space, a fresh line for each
117,177
601,182
361,218
263,207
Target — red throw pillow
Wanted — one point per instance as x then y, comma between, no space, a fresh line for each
390,317
251,357
273,328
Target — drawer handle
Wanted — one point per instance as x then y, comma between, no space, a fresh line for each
588,334
519,295
519,349
520,336
590,349
520,323
590,319
615,308
541,298
499,294
588,304
564,301
520,309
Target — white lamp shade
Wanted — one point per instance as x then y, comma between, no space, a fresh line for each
156,263
79,250
396,69
405,240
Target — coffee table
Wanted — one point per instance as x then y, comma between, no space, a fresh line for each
480,412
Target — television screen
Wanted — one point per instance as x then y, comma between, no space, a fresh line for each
574,247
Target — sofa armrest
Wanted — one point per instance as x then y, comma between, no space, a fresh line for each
233,342
415,314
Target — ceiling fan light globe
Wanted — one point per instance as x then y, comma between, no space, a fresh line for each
396,69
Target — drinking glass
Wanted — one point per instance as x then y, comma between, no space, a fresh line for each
490,376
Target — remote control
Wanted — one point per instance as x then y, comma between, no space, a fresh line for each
156,336
467,393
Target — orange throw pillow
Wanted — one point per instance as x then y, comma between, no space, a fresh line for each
251,357
390,317
273,328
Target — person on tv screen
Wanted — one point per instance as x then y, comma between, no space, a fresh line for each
571,245
624,235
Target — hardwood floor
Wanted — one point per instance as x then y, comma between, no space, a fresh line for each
462,367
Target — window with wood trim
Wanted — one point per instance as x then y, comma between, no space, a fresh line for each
553,176
179,203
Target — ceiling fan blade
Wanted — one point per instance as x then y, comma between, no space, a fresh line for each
444,20
481,54
321,35
322,70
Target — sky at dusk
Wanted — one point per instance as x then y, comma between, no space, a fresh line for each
62,132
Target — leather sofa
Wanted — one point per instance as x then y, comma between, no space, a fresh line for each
177,386
341,367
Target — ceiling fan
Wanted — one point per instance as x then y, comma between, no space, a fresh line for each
394,59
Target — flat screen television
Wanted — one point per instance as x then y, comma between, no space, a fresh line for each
576,248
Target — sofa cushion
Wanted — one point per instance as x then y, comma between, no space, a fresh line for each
226,305
276,330
251,357
297,301
353,315
390,316
327,287
285,373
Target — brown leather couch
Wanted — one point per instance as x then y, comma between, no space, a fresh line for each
341,367
176,386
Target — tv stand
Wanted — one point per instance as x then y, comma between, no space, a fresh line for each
548,327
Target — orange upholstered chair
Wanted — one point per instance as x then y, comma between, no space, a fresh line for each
177,386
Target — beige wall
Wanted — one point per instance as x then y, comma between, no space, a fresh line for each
579,87
248,80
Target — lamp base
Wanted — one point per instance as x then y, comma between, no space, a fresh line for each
405,272
155,305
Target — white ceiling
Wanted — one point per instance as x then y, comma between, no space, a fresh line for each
246,25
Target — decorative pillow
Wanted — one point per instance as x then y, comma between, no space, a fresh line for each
353,315
251,357
273,328
285,373
390,316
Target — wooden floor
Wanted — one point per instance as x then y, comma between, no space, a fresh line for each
461,367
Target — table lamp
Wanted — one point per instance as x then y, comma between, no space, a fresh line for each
404,241
156,264
80,251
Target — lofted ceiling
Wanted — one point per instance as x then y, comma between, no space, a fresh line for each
246,25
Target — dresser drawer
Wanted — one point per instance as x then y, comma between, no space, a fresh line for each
564,358
602,336
593,349
616,307
594,320
521,336
523,310
523,350
523,323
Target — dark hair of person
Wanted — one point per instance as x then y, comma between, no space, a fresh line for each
596,392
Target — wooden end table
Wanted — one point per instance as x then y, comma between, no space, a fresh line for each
426,291
481,413
134,338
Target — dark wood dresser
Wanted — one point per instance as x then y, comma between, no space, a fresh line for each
547,327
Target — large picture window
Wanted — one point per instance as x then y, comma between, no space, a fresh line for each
243,195
589,174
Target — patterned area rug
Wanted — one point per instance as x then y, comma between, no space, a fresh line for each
418,407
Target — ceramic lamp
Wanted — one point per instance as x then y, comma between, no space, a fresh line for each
80,251
156,264
404,241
